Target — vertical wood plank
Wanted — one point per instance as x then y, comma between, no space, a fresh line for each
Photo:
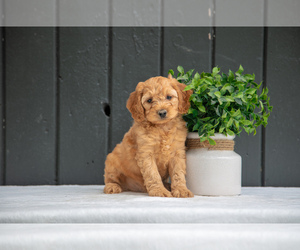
30,104
135,53
283,131
2,107
188,47
83,91
243,46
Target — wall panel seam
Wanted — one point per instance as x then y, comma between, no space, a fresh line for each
110,87
213,35
161,52
264,84
109,77
57,106
3,105
263,130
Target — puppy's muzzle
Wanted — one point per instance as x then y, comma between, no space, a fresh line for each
162,113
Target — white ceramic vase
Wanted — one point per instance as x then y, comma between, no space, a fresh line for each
213,172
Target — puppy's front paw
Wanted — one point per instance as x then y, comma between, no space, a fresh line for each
160,192
182,192
112,188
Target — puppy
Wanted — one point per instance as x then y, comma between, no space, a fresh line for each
154,147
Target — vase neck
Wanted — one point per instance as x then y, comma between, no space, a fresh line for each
217,136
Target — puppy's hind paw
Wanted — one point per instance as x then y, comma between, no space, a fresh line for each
112,188
182,192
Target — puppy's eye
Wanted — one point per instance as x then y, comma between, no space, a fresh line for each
149,100
169,97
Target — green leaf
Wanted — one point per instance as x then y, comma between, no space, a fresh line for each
190,72
216,123
238,101
230,122
190,111
254,133
270,108
194,98
241,79
221,128
236,113
229,132
195,113
196,126
184,78
218,83
237,124
180,69
251,91
205,119
247,129
191,86
230,76
208,80
202,88
203,138
211,94
227,105
217,94
171,72
217,111
240,71
202,108
249,77
244,99
238,95
215,71
241,87
246,122
229,98
203,74
230,89
197,76
211,141
224,115
221,100
261,106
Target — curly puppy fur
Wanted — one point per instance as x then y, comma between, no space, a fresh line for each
154,147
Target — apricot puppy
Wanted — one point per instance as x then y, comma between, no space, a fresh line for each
154,147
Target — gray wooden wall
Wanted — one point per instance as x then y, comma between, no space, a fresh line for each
64,90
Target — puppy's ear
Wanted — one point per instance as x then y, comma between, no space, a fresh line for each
134,103
170,76
183,97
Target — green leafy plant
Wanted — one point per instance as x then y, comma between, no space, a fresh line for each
224,103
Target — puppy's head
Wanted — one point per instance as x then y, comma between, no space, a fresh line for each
158,100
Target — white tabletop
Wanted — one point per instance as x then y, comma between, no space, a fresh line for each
88,204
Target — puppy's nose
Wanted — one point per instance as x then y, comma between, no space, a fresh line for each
162,113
